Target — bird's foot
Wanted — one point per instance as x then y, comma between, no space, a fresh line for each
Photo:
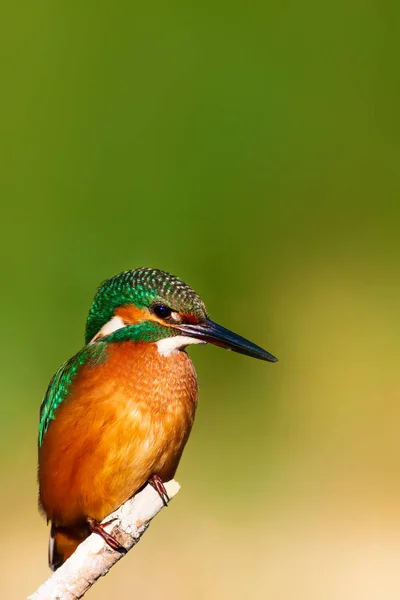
96,527
156,482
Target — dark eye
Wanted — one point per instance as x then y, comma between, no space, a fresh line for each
161,311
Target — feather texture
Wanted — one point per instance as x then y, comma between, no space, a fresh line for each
122,419
62,380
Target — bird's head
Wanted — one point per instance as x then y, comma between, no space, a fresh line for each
149,305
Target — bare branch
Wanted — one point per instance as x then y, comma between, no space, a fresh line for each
94,558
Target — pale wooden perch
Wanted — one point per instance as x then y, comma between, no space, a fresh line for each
94,558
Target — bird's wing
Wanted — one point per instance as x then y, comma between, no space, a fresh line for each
62,380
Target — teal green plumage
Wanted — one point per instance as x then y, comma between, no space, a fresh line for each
62,380
141,287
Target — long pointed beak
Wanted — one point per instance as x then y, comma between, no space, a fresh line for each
219,336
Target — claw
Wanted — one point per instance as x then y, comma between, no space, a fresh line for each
156,482
96,527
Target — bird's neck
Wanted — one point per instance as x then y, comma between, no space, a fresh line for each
157,379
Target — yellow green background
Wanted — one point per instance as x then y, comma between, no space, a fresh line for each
253,150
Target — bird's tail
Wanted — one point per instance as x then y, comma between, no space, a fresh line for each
62,543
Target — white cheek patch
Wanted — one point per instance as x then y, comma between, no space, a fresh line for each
112,325
173,344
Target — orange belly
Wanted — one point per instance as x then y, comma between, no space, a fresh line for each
123,421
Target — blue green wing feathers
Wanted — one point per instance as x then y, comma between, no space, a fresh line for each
61,382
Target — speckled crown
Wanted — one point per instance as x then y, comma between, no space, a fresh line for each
142,287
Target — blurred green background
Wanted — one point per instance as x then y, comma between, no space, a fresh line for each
253,150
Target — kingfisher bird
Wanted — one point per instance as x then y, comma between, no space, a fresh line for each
118,414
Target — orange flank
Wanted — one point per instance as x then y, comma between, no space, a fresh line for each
123,420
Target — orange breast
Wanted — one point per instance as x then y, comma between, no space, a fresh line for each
123,421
